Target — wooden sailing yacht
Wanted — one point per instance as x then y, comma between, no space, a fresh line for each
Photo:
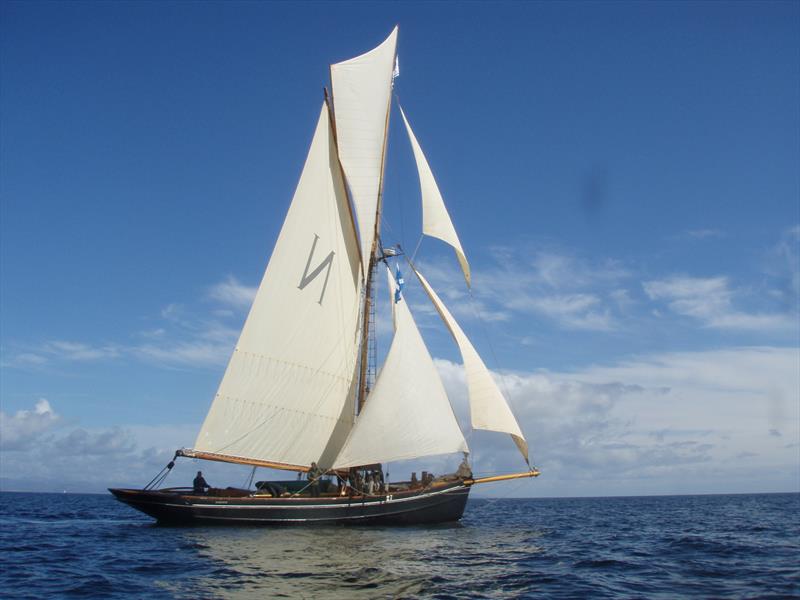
296,393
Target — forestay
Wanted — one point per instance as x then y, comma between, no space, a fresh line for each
287,394
361,93
436,220
407,414
488,408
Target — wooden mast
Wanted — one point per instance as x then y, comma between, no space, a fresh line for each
362,380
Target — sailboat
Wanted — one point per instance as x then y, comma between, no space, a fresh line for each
299,393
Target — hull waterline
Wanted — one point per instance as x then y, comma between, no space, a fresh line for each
439,504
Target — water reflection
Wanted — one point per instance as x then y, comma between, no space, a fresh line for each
353,562
315,561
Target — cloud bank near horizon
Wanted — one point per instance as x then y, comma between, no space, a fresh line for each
690,422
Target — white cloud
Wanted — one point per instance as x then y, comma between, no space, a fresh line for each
26,359
703,234
184,340
26,427
688,422
192,354
80,442
39,452
710,300
572,311
77,351
233,293
663,423
571,292
786,266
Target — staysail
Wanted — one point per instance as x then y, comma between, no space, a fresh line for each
436,221
361,94
488,408
407,414
287,395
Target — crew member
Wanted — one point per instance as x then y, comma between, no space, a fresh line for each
200,485
314,473
464,471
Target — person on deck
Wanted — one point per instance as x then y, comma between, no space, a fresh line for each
464,471
314,473
200,485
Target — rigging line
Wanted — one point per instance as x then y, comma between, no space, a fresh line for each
416,248
249,481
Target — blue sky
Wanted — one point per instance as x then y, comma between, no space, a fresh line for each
623,177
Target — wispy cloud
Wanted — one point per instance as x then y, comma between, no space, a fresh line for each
704,234
192,354
784,266
181,337
233,293
571,292
710,300
77,351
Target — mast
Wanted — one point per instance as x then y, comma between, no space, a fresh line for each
368,292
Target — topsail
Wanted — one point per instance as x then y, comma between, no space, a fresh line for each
362,88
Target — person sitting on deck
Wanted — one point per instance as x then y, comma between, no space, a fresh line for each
200,485
314,473
464,471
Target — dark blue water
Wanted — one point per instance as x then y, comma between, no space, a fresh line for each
744,546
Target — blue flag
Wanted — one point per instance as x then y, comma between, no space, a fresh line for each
400,283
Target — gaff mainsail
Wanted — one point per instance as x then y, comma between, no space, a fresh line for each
287,393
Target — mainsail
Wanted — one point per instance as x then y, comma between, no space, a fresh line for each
435,218
488,408
287,394
362,89
407,414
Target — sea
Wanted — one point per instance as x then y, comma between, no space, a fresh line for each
717,546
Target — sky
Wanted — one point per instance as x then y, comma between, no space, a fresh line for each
623,177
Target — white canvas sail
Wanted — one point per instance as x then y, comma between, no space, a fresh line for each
286,396
488,408
407,415
362,89
436,220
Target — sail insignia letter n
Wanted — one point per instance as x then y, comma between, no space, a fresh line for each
309,277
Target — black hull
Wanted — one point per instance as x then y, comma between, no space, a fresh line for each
438,504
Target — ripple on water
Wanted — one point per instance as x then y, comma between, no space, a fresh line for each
709,546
